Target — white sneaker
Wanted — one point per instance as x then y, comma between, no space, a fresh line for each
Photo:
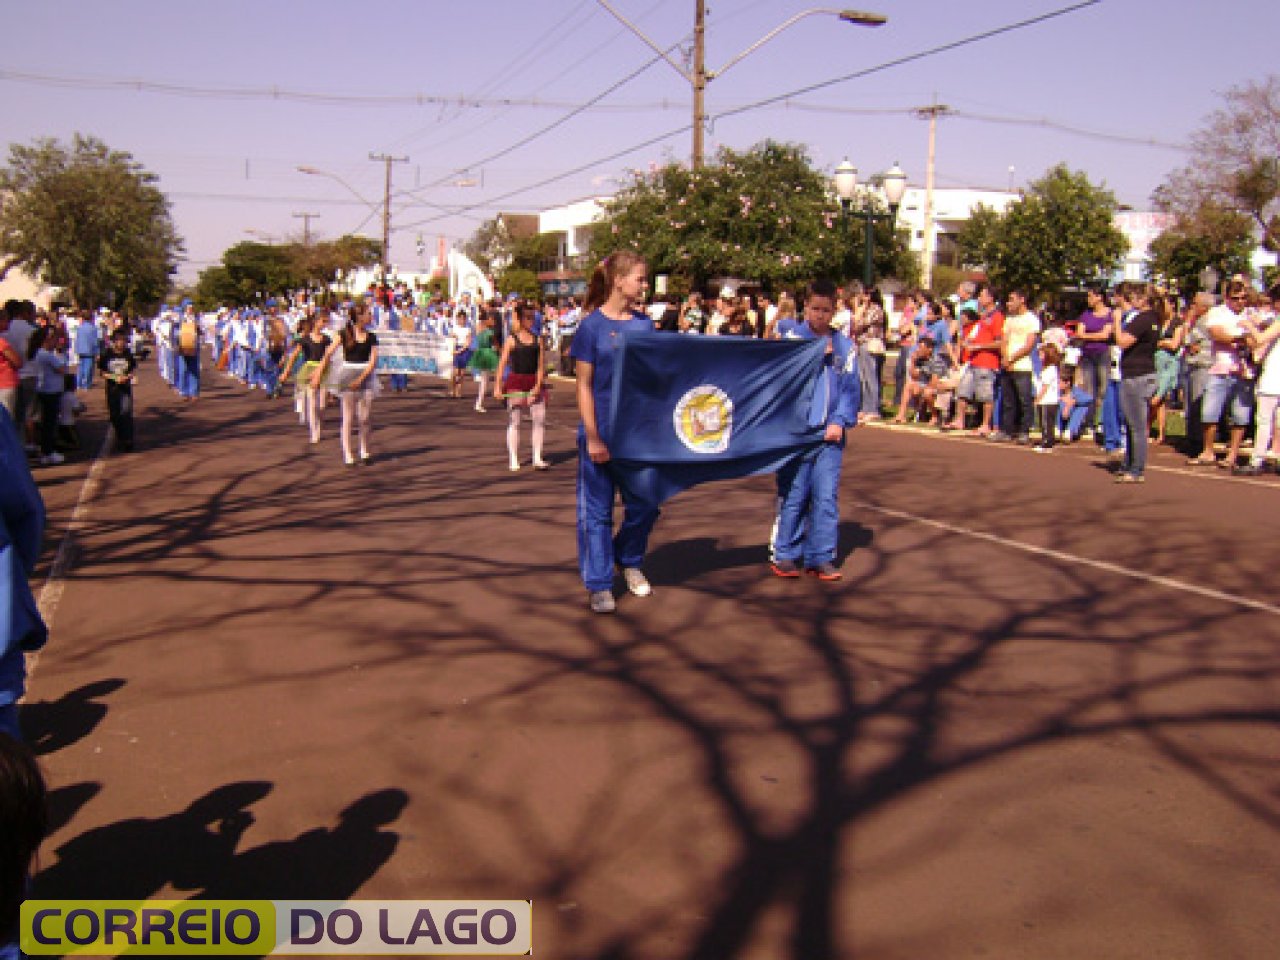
602,601
636,582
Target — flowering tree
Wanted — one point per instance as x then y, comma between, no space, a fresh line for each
764,215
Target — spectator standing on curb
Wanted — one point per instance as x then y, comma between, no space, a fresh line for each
48,351
1230,386
1168,347
1268,395
1048,396
1136,337
1197,359
1021,332
1094,330
980,358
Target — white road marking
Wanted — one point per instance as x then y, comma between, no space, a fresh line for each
51,593
1167,583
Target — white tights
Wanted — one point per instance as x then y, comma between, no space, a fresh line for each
537,413
1264,438
312,410
482,376
356,405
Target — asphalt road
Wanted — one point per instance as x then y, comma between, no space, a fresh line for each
1038,719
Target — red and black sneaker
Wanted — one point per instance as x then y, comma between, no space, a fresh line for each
787,569
825,571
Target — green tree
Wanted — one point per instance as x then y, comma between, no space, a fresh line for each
88,219
250,270
319,262
1234,163
520,281
1213,236
1060,233
765,215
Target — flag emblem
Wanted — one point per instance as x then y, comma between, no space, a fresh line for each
704,419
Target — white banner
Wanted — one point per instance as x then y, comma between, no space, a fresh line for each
415,352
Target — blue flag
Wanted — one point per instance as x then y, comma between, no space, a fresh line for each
686,410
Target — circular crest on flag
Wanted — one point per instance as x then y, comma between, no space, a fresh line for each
704,419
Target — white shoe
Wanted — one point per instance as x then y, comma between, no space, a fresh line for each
514,467
636,582
52,459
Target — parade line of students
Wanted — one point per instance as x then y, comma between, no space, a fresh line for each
975,362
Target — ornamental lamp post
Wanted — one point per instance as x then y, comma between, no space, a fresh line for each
892,184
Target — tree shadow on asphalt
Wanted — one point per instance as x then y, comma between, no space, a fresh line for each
678,561
49,726
923,670
936,661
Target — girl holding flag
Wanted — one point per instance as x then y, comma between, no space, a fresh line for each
617,287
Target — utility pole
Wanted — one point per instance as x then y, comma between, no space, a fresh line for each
933,111
699,80
306,219
388,160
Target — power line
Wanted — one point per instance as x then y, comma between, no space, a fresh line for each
543,131
912,58
309,97
769,101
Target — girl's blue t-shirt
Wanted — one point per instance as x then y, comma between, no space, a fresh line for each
596,343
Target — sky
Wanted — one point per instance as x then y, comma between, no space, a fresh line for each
224,101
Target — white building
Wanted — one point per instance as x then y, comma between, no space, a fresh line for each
951,209
15,284
566,273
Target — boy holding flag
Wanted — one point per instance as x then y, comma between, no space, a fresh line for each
809,486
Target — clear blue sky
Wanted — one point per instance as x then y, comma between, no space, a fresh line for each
1146,69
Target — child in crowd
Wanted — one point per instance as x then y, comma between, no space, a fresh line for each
1048,385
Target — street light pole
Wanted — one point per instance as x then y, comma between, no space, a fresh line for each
894,183
700,76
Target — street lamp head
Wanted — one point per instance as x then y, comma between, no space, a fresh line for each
895,185
845,179
864,18
311,170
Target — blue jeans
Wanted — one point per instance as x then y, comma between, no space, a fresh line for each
84,373
188,381
1015,403
598,548
809,514
1135,408
1094,375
